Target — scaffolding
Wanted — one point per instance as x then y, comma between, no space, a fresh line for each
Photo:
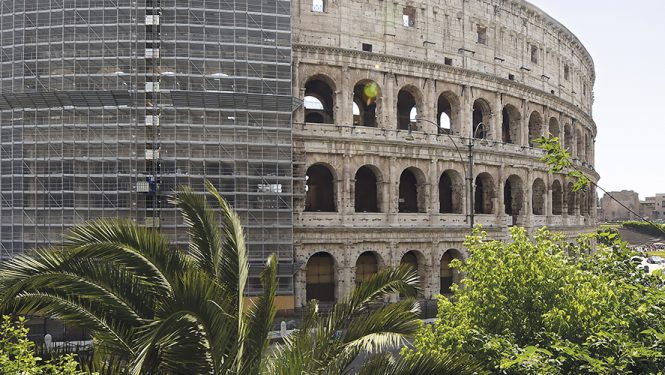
107,106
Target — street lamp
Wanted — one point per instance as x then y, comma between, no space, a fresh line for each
472,142
469,173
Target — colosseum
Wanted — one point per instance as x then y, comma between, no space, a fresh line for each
408,103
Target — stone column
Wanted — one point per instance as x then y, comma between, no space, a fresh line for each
347,272
466,113
388,114
550,198
393,191
497,120
500,210
433,208
347,202
524,125
527,200
344,105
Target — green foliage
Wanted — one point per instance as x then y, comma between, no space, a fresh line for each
545,307
652,229
558,159
17,353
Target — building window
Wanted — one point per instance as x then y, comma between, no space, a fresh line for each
534,54
566,72
409,17
482,35
318,6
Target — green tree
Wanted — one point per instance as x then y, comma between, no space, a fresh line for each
544,306
17,353
155,309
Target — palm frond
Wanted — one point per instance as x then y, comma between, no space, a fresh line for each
234,264
260,318
205,242
140,250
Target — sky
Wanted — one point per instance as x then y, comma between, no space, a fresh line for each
627,43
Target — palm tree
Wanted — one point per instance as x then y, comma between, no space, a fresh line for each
156,309
153,307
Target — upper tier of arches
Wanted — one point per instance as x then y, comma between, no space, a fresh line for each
440,108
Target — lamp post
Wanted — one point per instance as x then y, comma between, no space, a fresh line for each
469,173
472,141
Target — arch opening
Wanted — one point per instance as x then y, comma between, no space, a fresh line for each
483,194
366,190
447,108
568,138
448,276
367,266
481,114
538,192
320,193
557,198
320,278
554,128
365,96
571,198
580,145
513,196
535,128
510,125
450,193
319,102
409,195
407,109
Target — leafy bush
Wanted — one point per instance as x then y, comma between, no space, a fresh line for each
17,353
545,307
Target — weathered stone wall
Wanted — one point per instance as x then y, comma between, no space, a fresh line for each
617,211
328,48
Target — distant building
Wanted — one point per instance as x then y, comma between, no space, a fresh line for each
648,207
659,207
620,207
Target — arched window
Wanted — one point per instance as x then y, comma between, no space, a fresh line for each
366,266
538,197
448,276
366,191
447,113
450,193
554,128
320,279
557,198
409,199
320,190
510,125
481,114
365,95
319,101
406,109
513,195
483,194
535,128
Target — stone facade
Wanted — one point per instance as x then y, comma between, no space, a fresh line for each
386,178
619,208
